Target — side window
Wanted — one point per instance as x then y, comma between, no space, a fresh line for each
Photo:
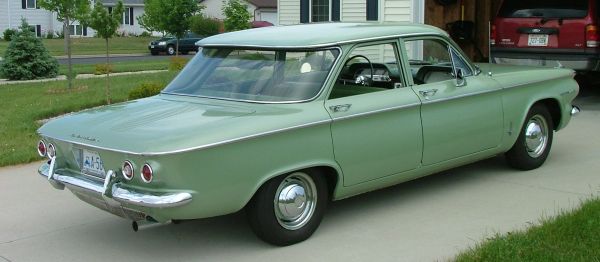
430,61
368,69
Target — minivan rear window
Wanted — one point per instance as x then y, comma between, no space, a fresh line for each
545,9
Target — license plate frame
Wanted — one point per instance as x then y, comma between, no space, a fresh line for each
91,163
537,40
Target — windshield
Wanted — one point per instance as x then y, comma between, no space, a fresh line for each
254,75
544,9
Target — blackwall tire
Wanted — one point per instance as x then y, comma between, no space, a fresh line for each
289,208
534,142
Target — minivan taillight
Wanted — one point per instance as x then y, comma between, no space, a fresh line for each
591,36
493,35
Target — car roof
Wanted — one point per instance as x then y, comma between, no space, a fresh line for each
316,35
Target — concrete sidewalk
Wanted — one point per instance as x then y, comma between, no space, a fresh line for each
80,76
430,219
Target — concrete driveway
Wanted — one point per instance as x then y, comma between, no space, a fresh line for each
425,220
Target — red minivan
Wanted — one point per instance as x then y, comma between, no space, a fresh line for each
554,33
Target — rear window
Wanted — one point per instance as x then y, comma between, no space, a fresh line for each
545,9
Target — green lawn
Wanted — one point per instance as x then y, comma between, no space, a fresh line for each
23,104
124,66
572,236
94,46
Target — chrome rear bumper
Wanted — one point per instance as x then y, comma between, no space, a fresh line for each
111,191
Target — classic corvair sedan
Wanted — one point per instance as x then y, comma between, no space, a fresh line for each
279,121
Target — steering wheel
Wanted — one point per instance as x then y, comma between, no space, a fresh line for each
360,79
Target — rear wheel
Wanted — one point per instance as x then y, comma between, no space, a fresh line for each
288,209
534,142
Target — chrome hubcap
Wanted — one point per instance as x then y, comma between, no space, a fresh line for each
536,136
295,201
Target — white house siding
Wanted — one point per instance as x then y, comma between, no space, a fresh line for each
11,12
269,15
397,11
134,29
353,10
288,12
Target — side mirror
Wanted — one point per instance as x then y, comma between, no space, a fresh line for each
460,78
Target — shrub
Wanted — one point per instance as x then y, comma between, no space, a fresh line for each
237,16
27,58
8,33
101,69
145,34
145,89
205,26
50,35
177,63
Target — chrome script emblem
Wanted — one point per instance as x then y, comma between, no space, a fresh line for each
91,139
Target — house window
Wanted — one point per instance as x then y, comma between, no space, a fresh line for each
320,10
37,29
76,30
29,4
128,16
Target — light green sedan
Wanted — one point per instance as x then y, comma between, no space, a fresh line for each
279,121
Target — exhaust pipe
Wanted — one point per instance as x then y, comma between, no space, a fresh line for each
148,223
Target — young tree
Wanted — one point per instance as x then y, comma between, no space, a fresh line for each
106,26
171,16
26,57
236,14
67,11
151,19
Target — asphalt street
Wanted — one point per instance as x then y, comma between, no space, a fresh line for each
429,219
117,58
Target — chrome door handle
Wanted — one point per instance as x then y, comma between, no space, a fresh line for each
340,108
428,93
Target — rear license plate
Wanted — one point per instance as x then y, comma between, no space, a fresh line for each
151,46
538,40
91,163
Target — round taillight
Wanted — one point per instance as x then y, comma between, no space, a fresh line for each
51,151
41,148
127,170
147,173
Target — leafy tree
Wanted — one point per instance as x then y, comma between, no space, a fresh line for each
106,26
26,57
151,19
171,16
236,14
204,26
67,11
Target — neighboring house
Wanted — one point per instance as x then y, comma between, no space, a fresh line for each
311,11
262,10
44,22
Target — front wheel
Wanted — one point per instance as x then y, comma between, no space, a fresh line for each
288,209
534,142
170,50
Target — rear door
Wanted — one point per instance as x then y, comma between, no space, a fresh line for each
556,24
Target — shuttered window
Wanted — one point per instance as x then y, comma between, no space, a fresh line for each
320,11
372,10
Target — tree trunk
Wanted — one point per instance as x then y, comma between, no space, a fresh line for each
107,74
67,35
177,48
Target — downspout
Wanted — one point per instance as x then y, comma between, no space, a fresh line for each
8,9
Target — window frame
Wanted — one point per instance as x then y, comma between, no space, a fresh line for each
310,11
29,7
451,46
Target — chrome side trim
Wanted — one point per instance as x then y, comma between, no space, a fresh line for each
460,96
376,111
119,194
196,147
532,82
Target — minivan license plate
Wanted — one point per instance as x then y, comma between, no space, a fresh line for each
91,163
538,40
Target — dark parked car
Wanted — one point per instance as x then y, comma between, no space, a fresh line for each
553,33
168,44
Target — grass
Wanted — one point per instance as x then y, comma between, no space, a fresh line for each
571,236
124,66
24,104
93,45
